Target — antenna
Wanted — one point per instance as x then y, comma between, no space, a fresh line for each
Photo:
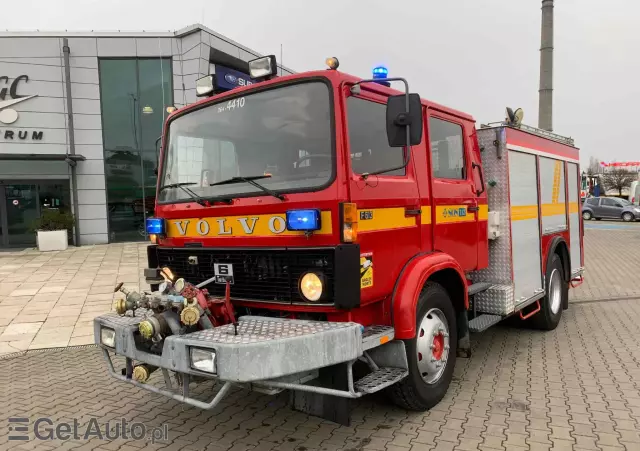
281,60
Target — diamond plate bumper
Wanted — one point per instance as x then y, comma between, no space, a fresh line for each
263,349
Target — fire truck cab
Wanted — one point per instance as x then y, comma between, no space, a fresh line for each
336,237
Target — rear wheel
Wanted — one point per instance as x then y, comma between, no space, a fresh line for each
586,215
431,354
557,293
627,217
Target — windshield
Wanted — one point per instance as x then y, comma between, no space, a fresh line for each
280,137
624,202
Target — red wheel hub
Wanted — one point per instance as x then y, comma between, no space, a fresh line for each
438,346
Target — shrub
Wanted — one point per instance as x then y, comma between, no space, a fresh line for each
51,220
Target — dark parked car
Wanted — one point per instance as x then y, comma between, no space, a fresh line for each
609,208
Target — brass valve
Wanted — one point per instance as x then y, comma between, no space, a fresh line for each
141,373
130,302
146,329
190,315
120,306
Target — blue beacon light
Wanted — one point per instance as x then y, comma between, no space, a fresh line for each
379,73
155,226
303,220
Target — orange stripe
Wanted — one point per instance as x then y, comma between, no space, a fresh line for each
523,212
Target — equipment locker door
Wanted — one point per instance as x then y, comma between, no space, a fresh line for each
525,226
455,203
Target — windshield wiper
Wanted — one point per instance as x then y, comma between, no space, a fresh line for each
252,181
189,192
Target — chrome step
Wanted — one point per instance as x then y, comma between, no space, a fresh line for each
483,322
374,336
478,287
379,379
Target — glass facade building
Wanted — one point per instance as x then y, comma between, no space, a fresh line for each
135,95
80,118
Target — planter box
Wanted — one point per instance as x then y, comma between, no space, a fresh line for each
56,240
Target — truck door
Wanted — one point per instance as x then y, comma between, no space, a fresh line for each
388,203
454,200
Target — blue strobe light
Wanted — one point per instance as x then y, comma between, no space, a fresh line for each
380,72
155,226
303,220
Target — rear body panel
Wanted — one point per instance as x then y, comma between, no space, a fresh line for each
535,191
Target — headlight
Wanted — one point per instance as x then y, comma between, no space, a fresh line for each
108,337
311,286
637,210
203,360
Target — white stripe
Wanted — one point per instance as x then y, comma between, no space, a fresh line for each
541,153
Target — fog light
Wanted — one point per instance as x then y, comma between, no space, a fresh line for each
108,337
311,286
203,360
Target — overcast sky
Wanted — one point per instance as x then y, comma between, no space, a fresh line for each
474,55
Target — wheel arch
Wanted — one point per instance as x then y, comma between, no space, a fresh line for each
559,246
433,266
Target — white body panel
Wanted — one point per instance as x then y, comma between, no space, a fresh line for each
525,226
575,249
552,195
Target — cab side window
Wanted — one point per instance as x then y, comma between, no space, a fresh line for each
447,149
368,141
606,202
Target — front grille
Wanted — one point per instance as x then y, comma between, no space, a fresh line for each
266,275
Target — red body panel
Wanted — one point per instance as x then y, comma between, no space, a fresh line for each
554,149
415,274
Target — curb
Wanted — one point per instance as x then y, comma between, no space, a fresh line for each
39,351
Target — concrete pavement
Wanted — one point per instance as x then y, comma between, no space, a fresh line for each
575,388
49,300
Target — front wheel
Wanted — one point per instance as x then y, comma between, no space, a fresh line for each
557,293
628,217
586,215
431,354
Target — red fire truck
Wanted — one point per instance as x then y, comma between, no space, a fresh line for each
334,237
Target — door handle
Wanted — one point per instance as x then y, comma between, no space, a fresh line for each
473,208
412,211
475,165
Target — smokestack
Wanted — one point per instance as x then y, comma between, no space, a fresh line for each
545,108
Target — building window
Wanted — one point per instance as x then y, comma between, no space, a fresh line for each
134,95
447,149
369,145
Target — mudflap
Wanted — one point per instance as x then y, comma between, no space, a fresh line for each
327,407
464,339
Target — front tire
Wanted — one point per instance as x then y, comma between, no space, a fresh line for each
628,217
431,354
556,296
586,215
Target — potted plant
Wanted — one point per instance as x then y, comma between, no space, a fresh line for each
52,230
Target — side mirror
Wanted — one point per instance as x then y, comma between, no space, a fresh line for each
398,119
